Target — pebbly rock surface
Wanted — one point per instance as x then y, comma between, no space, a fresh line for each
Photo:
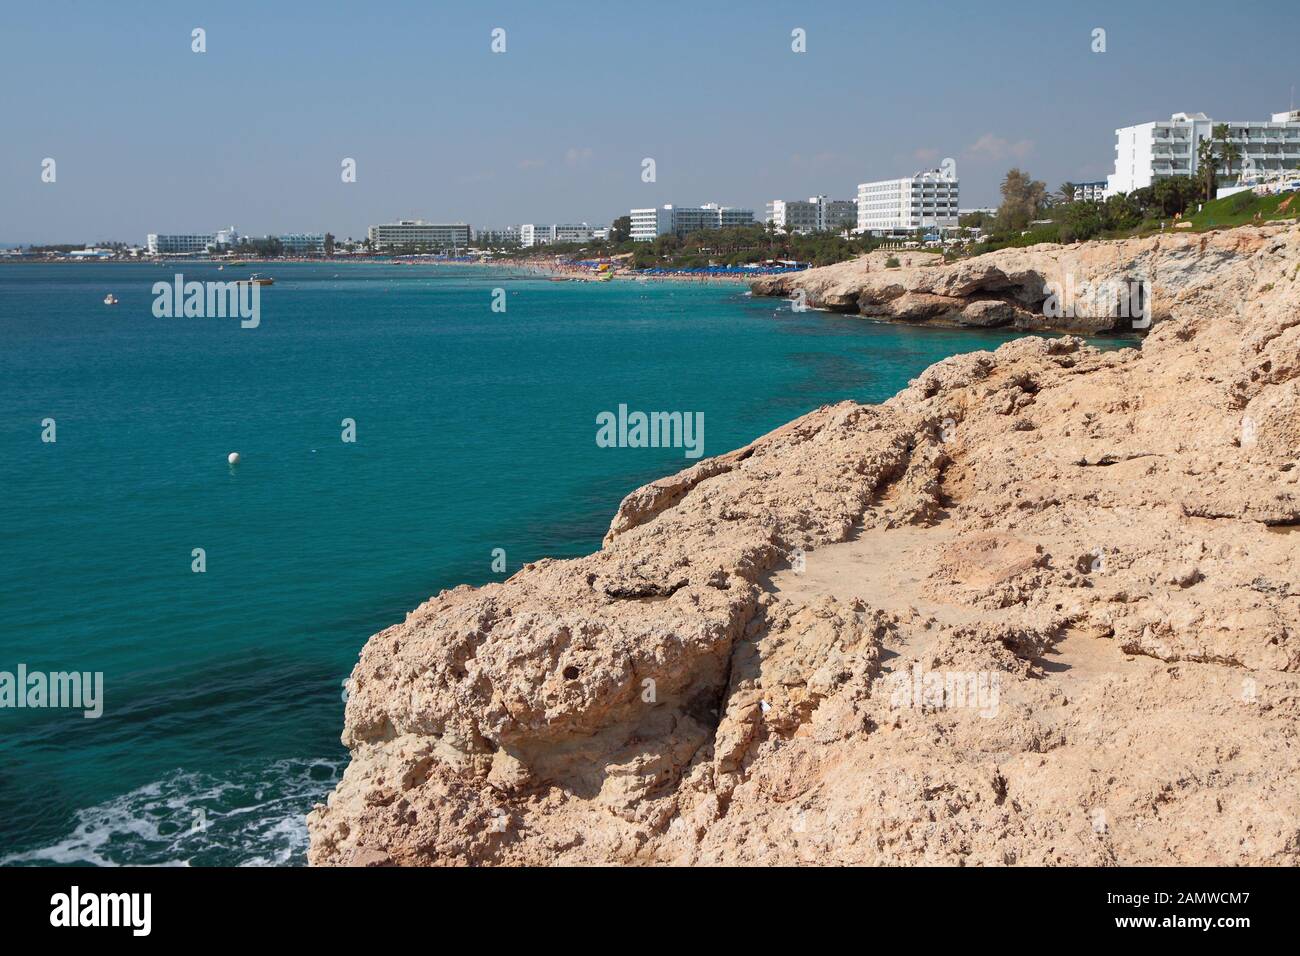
1008,288
1041,607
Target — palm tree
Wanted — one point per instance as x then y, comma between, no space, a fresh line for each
1206,161
1066,192
1230,151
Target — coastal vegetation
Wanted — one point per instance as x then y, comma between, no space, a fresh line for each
1023,199
736,246
744,245
1030,215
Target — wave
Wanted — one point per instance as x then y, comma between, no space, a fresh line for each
257,817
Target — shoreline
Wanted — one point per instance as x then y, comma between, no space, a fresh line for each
561,270
571,272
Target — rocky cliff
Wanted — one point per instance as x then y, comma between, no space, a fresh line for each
1070,288
1040,607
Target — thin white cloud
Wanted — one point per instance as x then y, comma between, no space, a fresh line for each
995,148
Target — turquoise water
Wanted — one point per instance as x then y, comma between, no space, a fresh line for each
475,430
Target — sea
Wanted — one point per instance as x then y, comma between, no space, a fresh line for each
400,429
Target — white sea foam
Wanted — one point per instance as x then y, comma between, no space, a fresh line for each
255,817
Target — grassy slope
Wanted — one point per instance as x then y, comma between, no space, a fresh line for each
1241,209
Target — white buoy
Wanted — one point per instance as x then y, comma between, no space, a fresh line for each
233,458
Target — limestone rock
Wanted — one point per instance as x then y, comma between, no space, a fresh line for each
1040,607
1010,286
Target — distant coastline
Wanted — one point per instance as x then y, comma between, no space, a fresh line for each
558,269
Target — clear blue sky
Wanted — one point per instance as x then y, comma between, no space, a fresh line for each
149,136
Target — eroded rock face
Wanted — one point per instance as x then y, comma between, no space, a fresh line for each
1011,287
1040,607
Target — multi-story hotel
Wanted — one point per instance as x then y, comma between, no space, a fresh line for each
417,232
534,234
649,223
302,243
925,200
179,244
509,235
681,220
816,214
1151,151
531,234
573,232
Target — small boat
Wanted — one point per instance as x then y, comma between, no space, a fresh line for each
257,279
110,299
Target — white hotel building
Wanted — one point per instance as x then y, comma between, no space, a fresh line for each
816,214
925,200
532,234
302,243
179,243
417,232
681,220
1152,151
507,235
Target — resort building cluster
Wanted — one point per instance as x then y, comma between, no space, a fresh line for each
926,200
199,243
1265,157
416,233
